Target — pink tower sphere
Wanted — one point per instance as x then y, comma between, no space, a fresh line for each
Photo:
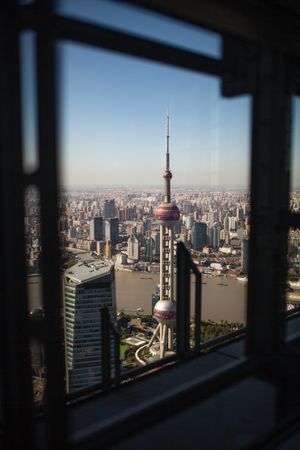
165,311
167,212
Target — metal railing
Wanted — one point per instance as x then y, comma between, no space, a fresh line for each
185,267
108,331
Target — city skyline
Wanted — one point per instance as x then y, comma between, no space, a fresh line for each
128,142
112,110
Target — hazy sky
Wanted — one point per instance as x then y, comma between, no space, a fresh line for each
113,110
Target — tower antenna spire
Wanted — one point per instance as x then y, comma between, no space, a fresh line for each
168,139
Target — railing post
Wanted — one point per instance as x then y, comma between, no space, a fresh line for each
198,305
269,204
117,368
183,300
16,374
105,344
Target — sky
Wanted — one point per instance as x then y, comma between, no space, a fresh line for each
112,109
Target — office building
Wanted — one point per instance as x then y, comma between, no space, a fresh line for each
156,238
96,229
199,235
150,245
226,223
109,209
189,222
111,230
88,287
214,236
133,246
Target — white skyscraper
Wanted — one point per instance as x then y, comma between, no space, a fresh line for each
133,246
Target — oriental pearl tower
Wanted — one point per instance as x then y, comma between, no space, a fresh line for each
164,312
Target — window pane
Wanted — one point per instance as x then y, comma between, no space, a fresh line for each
29,105
293,285
33,250
113,142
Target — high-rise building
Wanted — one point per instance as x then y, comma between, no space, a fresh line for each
189,222
96,229
239,213
211,218
232,223
130,213
241,233
133,246
150,244
121,214
100,247
147,225
214,236
156,238
109,209
226,223
111,230
199,235
88,287
187,208
107,249
167,215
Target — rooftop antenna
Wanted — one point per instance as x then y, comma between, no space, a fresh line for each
168,138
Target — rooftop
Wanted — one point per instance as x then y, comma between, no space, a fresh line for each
88,269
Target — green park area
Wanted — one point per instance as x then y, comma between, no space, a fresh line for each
123,348
130,325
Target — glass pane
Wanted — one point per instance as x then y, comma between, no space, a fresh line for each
33,249
131,19
113,141
292,287
293,253
295,157
293,284
29,105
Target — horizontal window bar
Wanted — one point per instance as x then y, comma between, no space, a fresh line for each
102,37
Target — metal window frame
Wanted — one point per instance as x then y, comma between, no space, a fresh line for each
269,85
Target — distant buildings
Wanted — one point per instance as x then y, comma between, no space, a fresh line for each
88,287
214,236
109,209
150,245
111,230
133,246
96,229
189,221
156,239
199,235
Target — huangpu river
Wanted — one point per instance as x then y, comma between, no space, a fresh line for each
222,298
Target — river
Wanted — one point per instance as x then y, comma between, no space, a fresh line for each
222,298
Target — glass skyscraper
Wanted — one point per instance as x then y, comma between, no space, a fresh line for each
88,287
